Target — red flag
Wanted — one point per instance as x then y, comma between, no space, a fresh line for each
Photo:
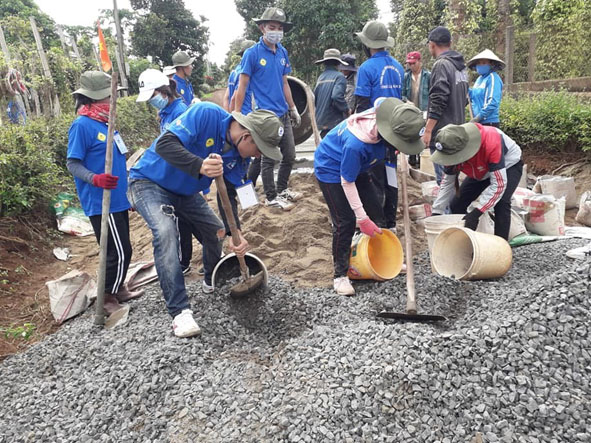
104,54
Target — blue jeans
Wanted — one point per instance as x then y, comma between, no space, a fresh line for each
439,172
161,209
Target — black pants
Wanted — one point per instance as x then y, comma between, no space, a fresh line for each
496,124
387,195
118,248
254,170
343,217
471,189
186,243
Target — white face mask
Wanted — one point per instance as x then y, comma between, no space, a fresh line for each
273,37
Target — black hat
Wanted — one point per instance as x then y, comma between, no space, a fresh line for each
350,60
440,35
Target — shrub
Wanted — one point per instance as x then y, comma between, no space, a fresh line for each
137,122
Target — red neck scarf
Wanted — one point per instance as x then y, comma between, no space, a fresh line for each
96,111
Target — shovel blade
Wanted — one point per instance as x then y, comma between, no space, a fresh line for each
419,318
247,286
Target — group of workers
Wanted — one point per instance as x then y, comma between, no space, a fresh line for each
367,115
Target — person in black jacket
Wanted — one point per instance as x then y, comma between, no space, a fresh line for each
331,107
448,89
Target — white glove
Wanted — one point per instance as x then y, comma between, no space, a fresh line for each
294,115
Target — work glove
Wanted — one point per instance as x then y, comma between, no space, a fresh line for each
105,181
294,115
368,227
471,219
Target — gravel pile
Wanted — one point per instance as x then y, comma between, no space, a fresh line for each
512,364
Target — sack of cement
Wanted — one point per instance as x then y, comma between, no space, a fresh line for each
545,215
519,195
559,186
584,215
429,191
70,295
418,212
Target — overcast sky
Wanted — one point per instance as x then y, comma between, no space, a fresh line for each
225,24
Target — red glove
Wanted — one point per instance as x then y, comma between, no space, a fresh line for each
368,227
105,181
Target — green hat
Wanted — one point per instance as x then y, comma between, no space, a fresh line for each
401,124
95,85
332,54
181,58
266,130
375,35
274,15
244,45
456,143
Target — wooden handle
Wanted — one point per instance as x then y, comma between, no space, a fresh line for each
312,108
411,304
223,193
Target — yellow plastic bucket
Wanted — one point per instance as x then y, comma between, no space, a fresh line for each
375,258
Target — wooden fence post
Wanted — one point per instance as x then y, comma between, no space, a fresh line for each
509,55
60,32
45,65
75,47
4,47
531,61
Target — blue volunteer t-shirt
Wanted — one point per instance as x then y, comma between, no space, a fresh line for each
202,131
266,70
233,81
184,88
87,141
170,113
341,154
380,76
235,167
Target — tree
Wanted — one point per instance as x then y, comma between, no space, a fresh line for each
25,9
250,9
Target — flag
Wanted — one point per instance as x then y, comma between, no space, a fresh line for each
104,54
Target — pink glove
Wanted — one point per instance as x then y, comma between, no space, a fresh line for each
368,227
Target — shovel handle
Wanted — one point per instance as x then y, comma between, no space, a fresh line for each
223,193
411,304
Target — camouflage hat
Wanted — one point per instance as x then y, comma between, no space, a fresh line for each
456,144
95,85
266,130
244,45
375,35
274,15
181,58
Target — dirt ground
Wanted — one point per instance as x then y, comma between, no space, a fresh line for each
295,246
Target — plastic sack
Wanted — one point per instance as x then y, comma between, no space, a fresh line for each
545,215
70,295
584,215
418,212
519,195
559,186
74,222
429,191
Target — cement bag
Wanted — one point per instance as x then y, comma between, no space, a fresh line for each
523,179
584,215
519,195
429,190
418,212
559,186
517,225
70,295
545,215
487,224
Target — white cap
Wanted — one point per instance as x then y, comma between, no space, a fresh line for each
169,70
150,80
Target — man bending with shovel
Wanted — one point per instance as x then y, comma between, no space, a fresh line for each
167,180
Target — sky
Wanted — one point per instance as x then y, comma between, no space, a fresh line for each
225,24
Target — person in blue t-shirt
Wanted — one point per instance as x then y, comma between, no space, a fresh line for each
87,147
233,79
380,76
487,92
165,184
183,65
265,67
341,164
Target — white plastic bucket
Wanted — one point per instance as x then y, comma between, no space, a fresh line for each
436,224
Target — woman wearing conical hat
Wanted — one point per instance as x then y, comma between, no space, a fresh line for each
485,95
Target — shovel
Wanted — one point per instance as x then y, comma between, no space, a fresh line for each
249,283
411,304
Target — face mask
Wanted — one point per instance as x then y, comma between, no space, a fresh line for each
274,37
158,102
483,69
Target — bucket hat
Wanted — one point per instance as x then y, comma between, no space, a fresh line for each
266,130
350,60
332,54
150,80
95,85
244,45
487,54
375,35
181,58
455,144
401,124
274,15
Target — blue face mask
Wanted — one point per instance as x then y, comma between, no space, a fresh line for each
483,69
158,102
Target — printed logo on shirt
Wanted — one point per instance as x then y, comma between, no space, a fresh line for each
263,62
280,131
209,142
480,168
182,91
283,61
101,137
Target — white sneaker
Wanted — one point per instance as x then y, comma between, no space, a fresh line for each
343,286
280,203
207,289
184,324
289,195
580,253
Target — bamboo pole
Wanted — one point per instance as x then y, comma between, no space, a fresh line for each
45,65
120,54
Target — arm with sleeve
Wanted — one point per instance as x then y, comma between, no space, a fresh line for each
446,190
77,169
498,177
338,94
170,148
439,91
492,97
